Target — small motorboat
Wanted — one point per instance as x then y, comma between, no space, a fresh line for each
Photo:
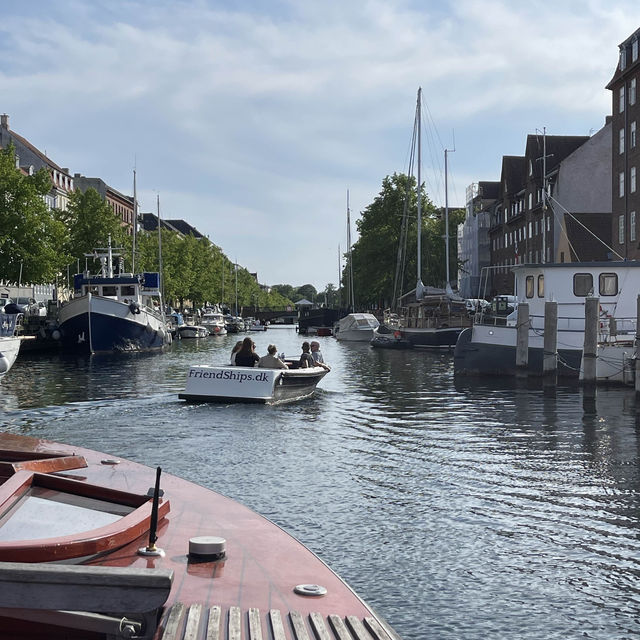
192,331
9,340
389,337
93,546
356,327
206,383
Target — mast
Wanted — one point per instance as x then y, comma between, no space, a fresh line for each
419,285
135,224
160,254
351,300
236,270
446,214
339,278
544,194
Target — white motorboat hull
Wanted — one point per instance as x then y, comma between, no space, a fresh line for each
9,348
250,384
192,331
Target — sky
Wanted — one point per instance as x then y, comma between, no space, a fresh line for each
251,120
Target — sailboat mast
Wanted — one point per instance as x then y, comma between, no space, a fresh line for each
135,224
160,249
352,301
446,213
419,249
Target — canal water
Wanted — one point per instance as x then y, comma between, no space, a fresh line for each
458,509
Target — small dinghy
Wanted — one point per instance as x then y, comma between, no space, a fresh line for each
207,383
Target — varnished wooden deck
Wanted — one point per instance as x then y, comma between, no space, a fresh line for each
197,622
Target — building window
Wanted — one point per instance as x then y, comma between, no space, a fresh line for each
632,91
530,201
634,51
632,226
621,100
632,136
621,229
623,59
621,184
621,141
632,180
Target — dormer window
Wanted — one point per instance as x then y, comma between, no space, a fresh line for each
17,161
634,50
623,59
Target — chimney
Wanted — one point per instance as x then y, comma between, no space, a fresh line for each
4,121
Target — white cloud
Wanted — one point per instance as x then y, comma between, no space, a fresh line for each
252,122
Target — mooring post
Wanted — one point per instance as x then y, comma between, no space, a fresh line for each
637,343
590,348
550,345
522,340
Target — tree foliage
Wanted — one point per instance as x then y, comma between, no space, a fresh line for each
375,256
90,223
32,237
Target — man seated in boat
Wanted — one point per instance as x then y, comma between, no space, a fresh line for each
247,357
271,360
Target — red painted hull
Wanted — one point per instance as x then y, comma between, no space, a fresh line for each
263,563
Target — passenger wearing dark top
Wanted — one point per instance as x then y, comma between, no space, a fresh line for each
306,359
247,357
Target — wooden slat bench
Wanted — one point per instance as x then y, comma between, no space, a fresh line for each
196,622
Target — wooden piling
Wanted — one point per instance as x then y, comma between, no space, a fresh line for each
590,348
522,340
637,343
550,345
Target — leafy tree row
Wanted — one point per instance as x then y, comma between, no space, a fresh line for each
37,243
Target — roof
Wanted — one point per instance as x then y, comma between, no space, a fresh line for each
304,302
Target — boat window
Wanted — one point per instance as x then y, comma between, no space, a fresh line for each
582,284
529,287
45,513
541,286
109,291
94,289
608,284
128,290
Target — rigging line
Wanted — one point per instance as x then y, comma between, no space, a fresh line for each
562,226
552,199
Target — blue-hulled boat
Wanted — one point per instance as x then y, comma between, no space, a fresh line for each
113,312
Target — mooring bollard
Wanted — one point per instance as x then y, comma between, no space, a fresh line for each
590,348
550,344
522,340
637,343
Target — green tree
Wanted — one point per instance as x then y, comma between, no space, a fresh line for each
91,221
387,244
32,237
307,291
285,290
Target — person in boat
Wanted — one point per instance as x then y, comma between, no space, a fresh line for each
317,356
234,351
271,360
247,356
306,359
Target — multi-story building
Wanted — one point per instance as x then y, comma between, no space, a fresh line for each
473,237
30,159
625,151
527,227
122,205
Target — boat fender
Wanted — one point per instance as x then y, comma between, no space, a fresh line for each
4,364
55,334
397,334
134,307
